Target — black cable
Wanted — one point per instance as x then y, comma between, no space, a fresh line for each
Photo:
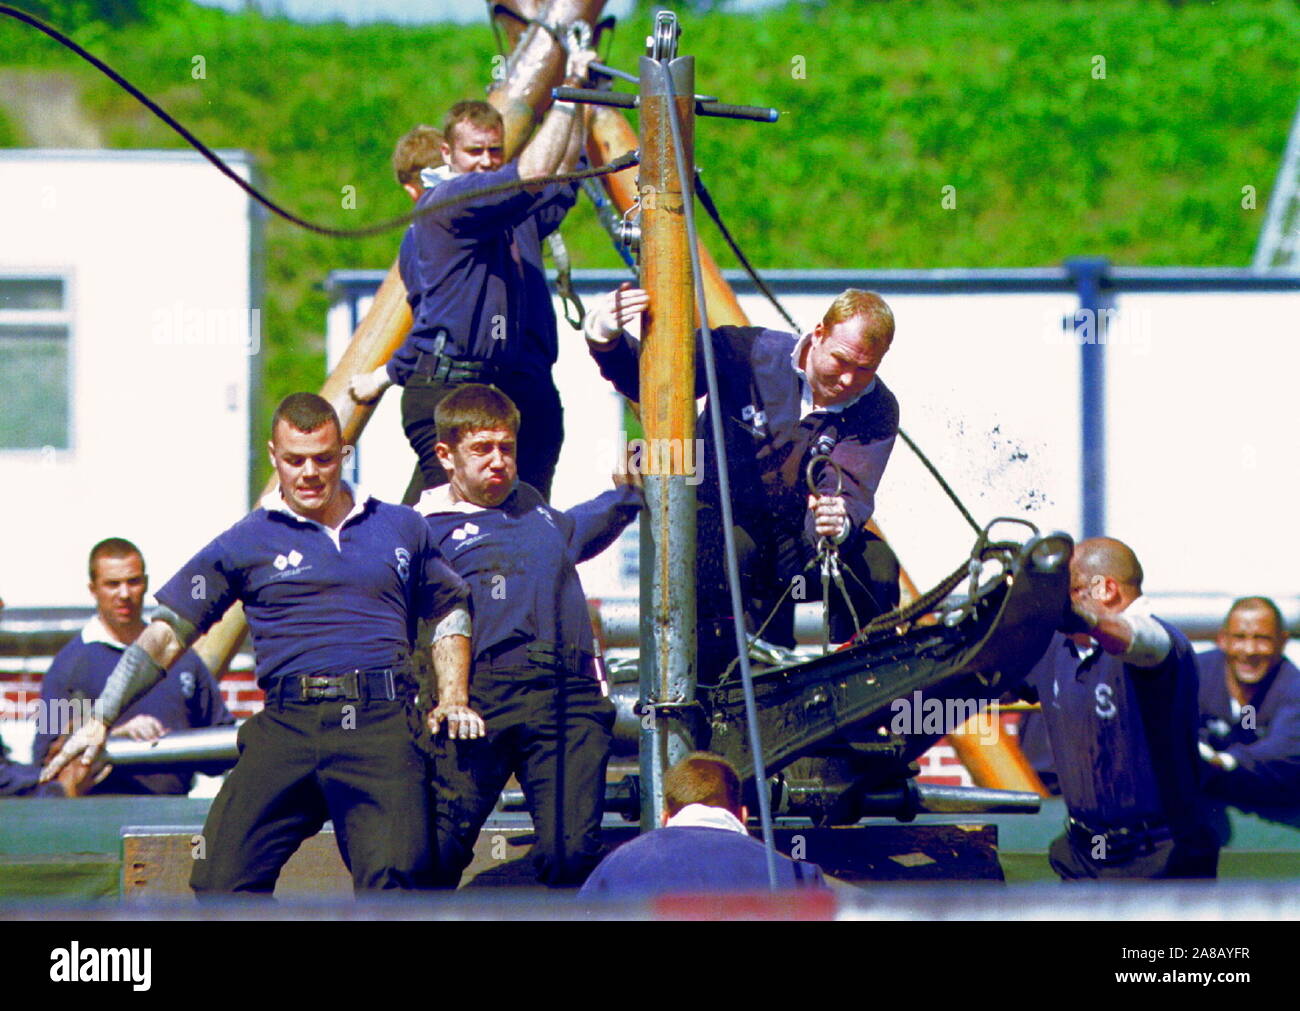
338,233
706,200
724,486
942,483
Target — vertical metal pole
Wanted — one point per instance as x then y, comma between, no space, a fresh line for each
668,417
1088,273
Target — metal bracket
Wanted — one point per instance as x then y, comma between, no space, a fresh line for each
662,46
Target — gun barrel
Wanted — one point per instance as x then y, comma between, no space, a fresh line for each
975,800
203,746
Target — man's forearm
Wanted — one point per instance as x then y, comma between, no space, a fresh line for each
556,144
142,666
451,656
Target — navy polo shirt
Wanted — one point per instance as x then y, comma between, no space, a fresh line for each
1124,737
686,859
320,601
187,698
474,271
769,438
1266,746
519,561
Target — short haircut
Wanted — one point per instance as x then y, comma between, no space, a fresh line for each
417,149
475,112
112,547
1243,603
471,408
1106,556
854,302
702,778
306,412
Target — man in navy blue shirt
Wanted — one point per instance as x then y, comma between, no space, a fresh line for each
474,278
536,677
188,699
1119,700
703,846
334,585
1250,711
785,401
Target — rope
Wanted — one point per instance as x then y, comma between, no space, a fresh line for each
337,233
939,477
564,281
706,199
931,598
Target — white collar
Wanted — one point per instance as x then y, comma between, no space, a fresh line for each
439,500
431,177
273,502
97,631
706,816
806,399
1141,606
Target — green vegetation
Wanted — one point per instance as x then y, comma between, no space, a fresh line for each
9,135
1119,127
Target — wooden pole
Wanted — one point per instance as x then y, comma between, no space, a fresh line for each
668,416
997,763
611,137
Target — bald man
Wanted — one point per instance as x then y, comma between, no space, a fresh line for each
1250,711
1119,700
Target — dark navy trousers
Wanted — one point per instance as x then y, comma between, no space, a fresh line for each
355,763
553,732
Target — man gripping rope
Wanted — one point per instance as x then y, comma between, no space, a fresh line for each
785,400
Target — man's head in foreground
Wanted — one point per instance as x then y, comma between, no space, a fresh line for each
703,778
845,349
307,453
1252,639
1105,575
478,434
118,583
474,138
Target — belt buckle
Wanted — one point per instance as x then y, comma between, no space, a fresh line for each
328,686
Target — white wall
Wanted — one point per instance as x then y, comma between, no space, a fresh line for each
1204,463
157,249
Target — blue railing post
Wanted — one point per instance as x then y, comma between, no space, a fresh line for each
1089,330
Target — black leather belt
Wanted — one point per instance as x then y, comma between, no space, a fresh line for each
436,367
354,686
